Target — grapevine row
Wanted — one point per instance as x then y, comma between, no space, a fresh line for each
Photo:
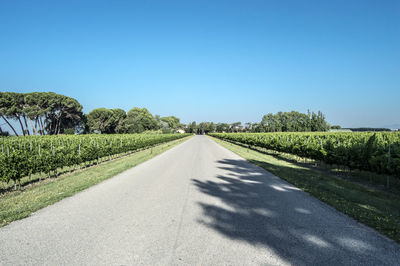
24,156
376,152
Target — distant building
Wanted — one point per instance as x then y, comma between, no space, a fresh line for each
181,131
340,130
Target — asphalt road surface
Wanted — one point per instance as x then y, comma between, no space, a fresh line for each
196,204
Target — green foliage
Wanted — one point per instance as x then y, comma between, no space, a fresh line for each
23,156
336,127
40,112
101,120
279,122
139,120
106,121
375,152
222,127
118,118
191,127
69,131
236,127
172,122
205,127
294,122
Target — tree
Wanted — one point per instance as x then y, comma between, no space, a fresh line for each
64,112
318,122
106,121
172,121
271,123
236,127
248,127
222,127
101,120
117,121
211,127
257,127
34,110
191,127
6,103
15,109
203,128
293,122
139,120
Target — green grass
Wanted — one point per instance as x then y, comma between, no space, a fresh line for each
20,204
375,208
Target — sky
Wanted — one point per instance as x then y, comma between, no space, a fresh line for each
220,61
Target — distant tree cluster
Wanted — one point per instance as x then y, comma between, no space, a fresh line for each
40,113
336,127
279,122
294,122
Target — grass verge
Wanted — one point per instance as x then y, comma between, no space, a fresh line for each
377,209
20,204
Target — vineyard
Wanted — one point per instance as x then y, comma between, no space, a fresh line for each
375,152
25,156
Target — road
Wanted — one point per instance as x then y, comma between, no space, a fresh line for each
196,204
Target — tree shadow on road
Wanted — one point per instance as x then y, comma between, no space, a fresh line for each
261,209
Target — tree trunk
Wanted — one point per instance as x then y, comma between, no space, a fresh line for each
59,127
33,129
22,126
26,125
41,125
55,128
8,123
52,127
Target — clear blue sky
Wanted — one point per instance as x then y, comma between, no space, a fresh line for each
209,60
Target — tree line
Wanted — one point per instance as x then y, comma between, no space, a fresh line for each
136,120
280,122
48,113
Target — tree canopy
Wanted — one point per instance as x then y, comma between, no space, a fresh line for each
107,121
172,121
294,122
139,120
40,112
